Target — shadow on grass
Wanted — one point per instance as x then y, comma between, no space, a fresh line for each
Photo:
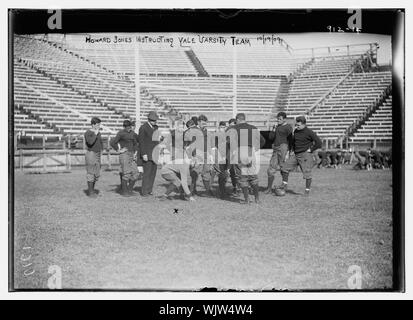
229,197
85,191
138,189
171,197
117,188
293,192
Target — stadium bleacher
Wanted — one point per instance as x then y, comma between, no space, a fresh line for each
273,60
379,125
121,59
213,95
57,104
59,87
27,126
317,79
162,78
348,103
80,86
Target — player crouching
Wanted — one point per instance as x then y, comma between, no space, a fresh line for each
176,172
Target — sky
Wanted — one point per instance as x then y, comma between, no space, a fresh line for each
310,40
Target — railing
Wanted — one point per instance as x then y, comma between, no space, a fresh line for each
325,96
58,103
331,51
369,111
299,70
119,77
41,65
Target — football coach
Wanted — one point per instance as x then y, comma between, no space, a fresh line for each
147,142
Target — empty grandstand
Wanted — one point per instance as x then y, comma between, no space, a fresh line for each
378,126
348,102
315,80
214,96
65,91
58,87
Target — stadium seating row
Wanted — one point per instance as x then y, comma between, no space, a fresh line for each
63,86
348,103
215,59
267,61
46,98
316,80
379,126
152,61
66,80
214,95
29,126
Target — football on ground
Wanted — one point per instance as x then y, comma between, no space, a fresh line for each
279,192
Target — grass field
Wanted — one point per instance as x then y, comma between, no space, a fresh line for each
292,242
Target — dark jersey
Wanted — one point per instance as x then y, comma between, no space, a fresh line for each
93,141
281,135
243,136
247,135
126,140
305,139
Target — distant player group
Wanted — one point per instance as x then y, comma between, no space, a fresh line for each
365,159
231,151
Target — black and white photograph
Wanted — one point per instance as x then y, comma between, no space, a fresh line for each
251,158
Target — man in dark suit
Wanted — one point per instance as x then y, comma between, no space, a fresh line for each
94,145
244,141
148,140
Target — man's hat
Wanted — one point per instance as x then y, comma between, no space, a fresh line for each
95,120
127,123
195,120
222,123
240,116
190,123
202,117
301,119
153,116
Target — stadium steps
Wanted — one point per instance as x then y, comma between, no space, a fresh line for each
281,98
22,110
93,71
313,85
284,89
301,69
196,63
37,92
353,68
156,100
351,102
69,86
377,120
80,57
